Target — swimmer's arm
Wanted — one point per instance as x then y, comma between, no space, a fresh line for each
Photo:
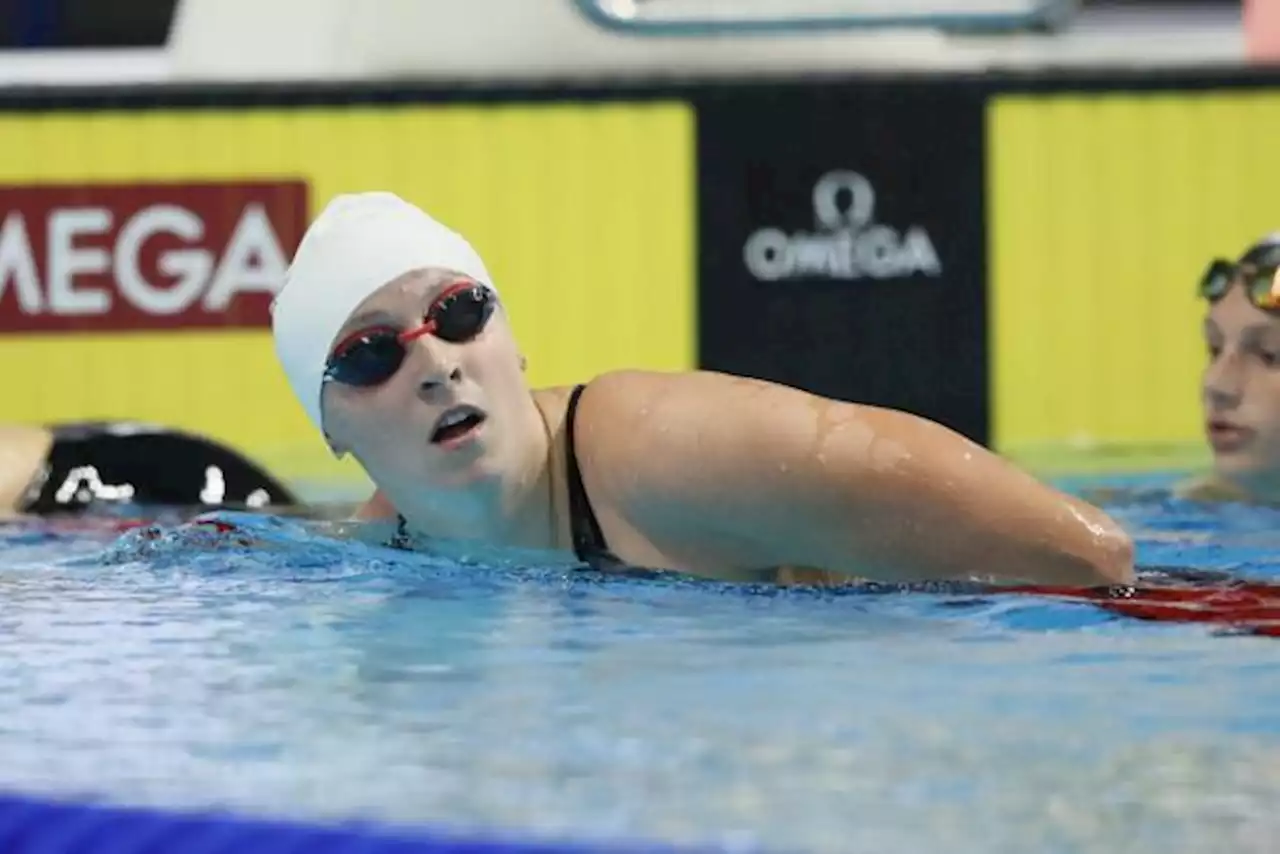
23,449
776,476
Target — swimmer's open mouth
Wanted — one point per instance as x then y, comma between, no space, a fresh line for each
456,423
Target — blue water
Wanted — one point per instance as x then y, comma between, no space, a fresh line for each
314,678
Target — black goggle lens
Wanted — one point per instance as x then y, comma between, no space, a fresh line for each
372,357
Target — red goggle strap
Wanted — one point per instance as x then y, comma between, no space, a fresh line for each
408,335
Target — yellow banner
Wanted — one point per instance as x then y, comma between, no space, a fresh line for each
584,213
1104,210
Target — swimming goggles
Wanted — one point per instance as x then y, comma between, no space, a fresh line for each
370,357
1261,283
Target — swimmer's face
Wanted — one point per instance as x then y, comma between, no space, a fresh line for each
451,413
1241,392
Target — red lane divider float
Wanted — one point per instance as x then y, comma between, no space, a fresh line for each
1249,607
149,529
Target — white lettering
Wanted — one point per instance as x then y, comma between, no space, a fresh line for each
189,266
826,201
66,260
818,253
84,484
766,254
848,243
215,486
877,250
17,262
919,252
254,261
253,238
877,253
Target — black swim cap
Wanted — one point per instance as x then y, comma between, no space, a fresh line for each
95,463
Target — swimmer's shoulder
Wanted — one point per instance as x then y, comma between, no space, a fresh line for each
610,411
631,389
644,412
29,440
23,451
619,395
606,399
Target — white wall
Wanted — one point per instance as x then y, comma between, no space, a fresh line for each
251,40
522,38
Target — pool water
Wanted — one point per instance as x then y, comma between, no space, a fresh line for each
317,679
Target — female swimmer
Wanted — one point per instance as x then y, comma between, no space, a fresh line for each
78,468
392,336
1240,388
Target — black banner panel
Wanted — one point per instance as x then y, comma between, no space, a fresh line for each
842,244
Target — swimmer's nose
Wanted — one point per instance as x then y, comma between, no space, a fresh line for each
453,377
434,366
1223,383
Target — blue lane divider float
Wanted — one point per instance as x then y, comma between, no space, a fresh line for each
31,826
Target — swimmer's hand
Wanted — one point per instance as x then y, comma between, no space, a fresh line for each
722,470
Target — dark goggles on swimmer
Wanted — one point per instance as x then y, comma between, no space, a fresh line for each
372,356
1261,283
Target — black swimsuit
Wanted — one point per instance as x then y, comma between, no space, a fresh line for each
96,463
588,540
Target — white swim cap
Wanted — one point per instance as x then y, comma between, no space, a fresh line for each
359,242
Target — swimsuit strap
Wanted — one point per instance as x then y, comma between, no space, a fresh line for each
588,539
589,544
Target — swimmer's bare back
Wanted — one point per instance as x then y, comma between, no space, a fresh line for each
734,478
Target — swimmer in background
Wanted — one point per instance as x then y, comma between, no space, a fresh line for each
74,469
393,338
1240,387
